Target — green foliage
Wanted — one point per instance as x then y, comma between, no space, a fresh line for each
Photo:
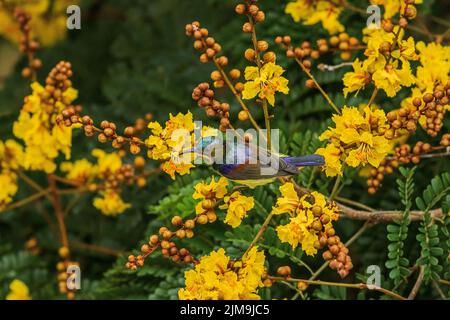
428,230
398,231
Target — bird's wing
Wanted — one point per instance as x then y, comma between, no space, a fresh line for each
255,171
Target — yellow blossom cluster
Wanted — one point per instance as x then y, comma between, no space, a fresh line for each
217,277
392,7
209,193
434,66
110,203
386,64
11,157
357,139
237,206
167,144
84,172
433,71
48,23
265,82
44,138
309,215
18,290
315,11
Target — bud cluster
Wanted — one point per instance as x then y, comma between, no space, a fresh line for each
107,132
205,44
404,154
164,241
204,96
337,254
26,45
432,106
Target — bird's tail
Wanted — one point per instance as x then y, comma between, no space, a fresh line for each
305,161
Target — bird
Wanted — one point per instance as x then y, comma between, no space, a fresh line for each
240,161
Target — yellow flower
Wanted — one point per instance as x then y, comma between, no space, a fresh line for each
303,212
48,23
110,203
18,291
166,144
392,7
391,79
8,181
107,162
312,12
11,158
434,65
237,206
36,126
216,277
332,155
372,150
357,139
212,191
356,80
80,170
264,82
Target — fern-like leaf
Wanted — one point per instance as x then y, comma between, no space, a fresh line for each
428,230
398,231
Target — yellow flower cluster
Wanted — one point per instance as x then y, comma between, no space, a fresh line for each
392,7
315,11
265,82
306,219
84,172
209,194
216,277
18,291
434,66
48,23
386,64
110,203
36,126
237,206
357,139
166,144
433,71
11,157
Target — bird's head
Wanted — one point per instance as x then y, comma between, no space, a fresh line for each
206,147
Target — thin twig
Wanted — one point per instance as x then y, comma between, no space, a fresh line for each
417,285
317,85
260,232
58,210
26,201
341,284
97,248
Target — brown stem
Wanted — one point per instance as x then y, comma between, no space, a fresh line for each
260,232
58,210
26,201
96,248
317,85
385,215
340,284
417,285
236,95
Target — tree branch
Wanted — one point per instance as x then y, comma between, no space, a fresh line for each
384,216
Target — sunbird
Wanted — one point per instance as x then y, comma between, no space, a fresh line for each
246,166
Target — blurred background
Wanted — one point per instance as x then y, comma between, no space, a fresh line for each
131,58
